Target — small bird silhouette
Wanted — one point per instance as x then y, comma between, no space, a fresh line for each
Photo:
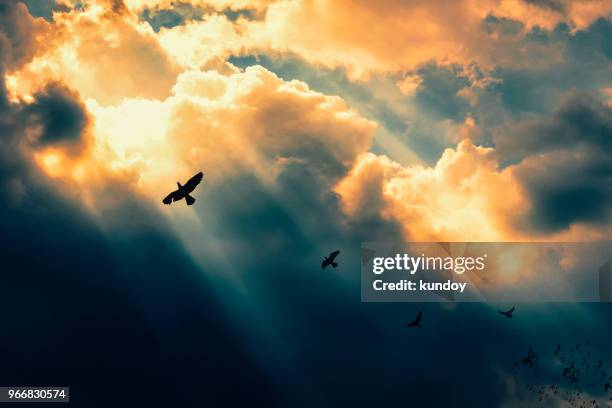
529,359
330,260
507,314
183,191
417,321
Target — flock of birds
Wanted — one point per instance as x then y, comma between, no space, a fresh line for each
576,376
573,374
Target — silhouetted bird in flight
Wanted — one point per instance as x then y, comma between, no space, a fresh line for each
183,191
528,360
417,321
508,313
330,260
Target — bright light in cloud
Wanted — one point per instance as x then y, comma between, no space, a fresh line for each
226,124
165,103
457,199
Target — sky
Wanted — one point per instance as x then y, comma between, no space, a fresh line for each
318,125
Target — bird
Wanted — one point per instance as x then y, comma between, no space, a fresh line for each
507,314
330,260
528,360
183,191
417,321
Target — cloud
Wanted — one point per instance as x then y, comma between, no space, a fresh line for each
440,91
139,5
248,120
580,120
456,200
330,33
103,53
59,117
568,187
18,32
468,196
232,121
563,161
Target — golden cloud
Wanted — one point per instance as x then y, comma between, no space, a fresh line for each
105,55
166,103
464,197
364,37
380,36
250,120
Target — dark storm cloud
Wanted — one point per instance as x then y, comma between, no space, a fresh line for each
59,115
564,189
583,64
580,120
56,116
567,163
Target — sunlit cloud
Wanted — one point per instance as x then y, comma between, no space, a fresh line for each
331,33
225,124
163,103
466,196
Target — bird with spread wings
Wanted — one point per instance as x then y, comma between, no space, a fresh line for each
416,322
330,260
183,191
507,314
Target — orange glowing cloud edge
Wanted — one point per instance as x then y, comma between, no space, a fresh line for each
166,116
